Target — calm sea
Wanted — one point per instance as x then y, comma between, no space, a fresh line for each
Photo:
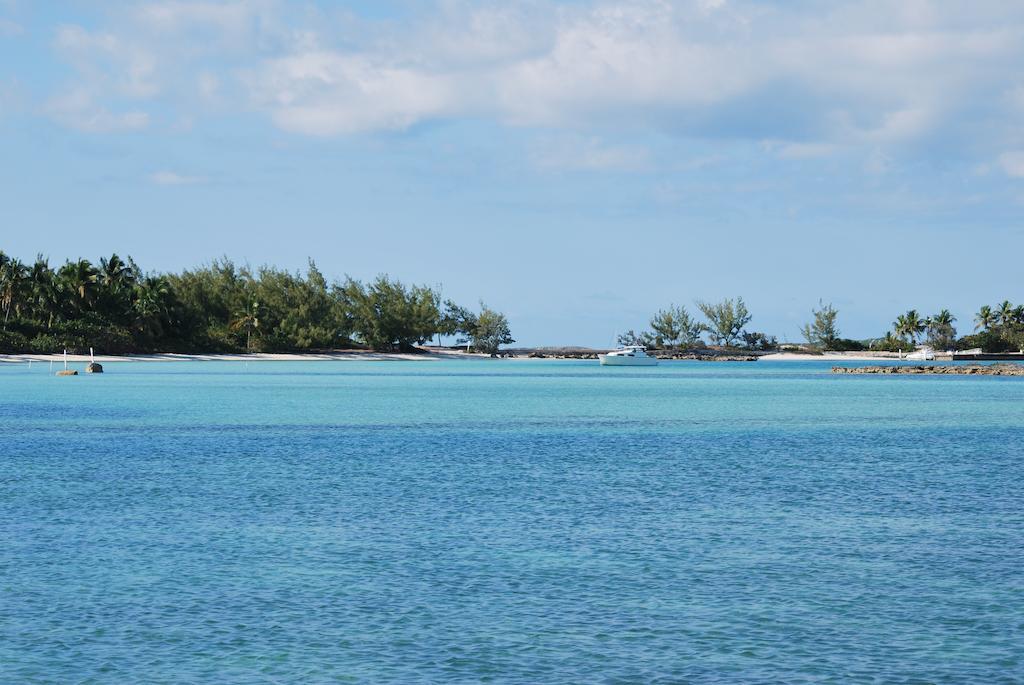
526,522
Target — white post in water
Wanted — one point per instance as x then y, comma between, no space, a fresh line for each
65,359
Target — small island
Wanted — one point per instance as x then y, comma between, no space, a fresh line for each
222,309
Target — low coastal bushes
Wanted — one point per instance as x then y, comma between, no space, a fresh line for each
988,341
14,342
847,345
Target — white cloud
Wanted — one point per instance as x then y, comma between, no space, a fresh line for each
208,85
11,96
1015,96
590,154
615,61
10,28
798,150
327,93
179,15
77,108
109,62
902,124
169,54
869,75
170,178
1012,163
877,163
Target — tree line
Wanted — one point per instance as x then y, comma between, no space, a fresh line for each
997,329
117,307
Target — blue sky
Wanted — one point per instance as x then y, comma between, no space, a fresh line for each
577,165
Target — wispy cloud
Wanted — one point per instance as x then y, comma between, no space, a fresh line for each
798,150
330,93
1012,163
588,154
10,28
170,178
78,108
881,73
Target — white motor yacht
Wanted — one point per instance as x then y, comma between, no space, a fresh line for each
923,354
630,355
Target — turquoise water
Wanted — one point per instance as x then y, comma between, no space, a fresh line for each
509,522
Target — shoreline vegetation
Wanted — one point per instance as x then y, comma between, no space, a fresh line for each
425,354
220,309
447,353
118,308
422,354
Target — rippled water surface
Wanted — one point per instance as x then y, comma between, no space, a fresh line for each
509,521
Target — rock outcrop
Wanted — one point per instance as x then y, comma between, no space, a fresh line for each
937,369
710,357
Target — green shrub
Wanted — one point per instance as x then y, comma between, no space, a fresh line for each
46,343
799,349
13,342
988,341
222,339
759,341
847,345
891,343
78,336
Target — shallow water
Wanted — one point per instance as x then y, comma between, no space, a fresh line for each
509,521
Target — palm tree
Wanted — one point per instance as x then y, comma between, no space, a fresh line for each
887,343
43,291
151,305
12,282
941,333
985,318
116,280
79,280
943,318
248,320
1005,313
909,325
114,273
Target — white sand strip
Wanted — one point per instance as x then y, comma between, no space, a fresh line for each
830,357
340,355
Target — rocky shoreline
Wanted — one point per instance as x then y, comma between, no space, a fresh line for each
697,356
935,369
711,357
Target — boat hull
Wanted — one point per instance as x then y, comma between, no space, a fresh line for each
614,360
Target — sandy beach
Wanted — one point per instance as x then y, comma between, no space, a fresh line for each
361,355
830,357
339,355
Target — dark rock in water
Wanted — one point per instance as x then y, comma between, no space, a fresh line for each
974,370
696,356
94,368
67,372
